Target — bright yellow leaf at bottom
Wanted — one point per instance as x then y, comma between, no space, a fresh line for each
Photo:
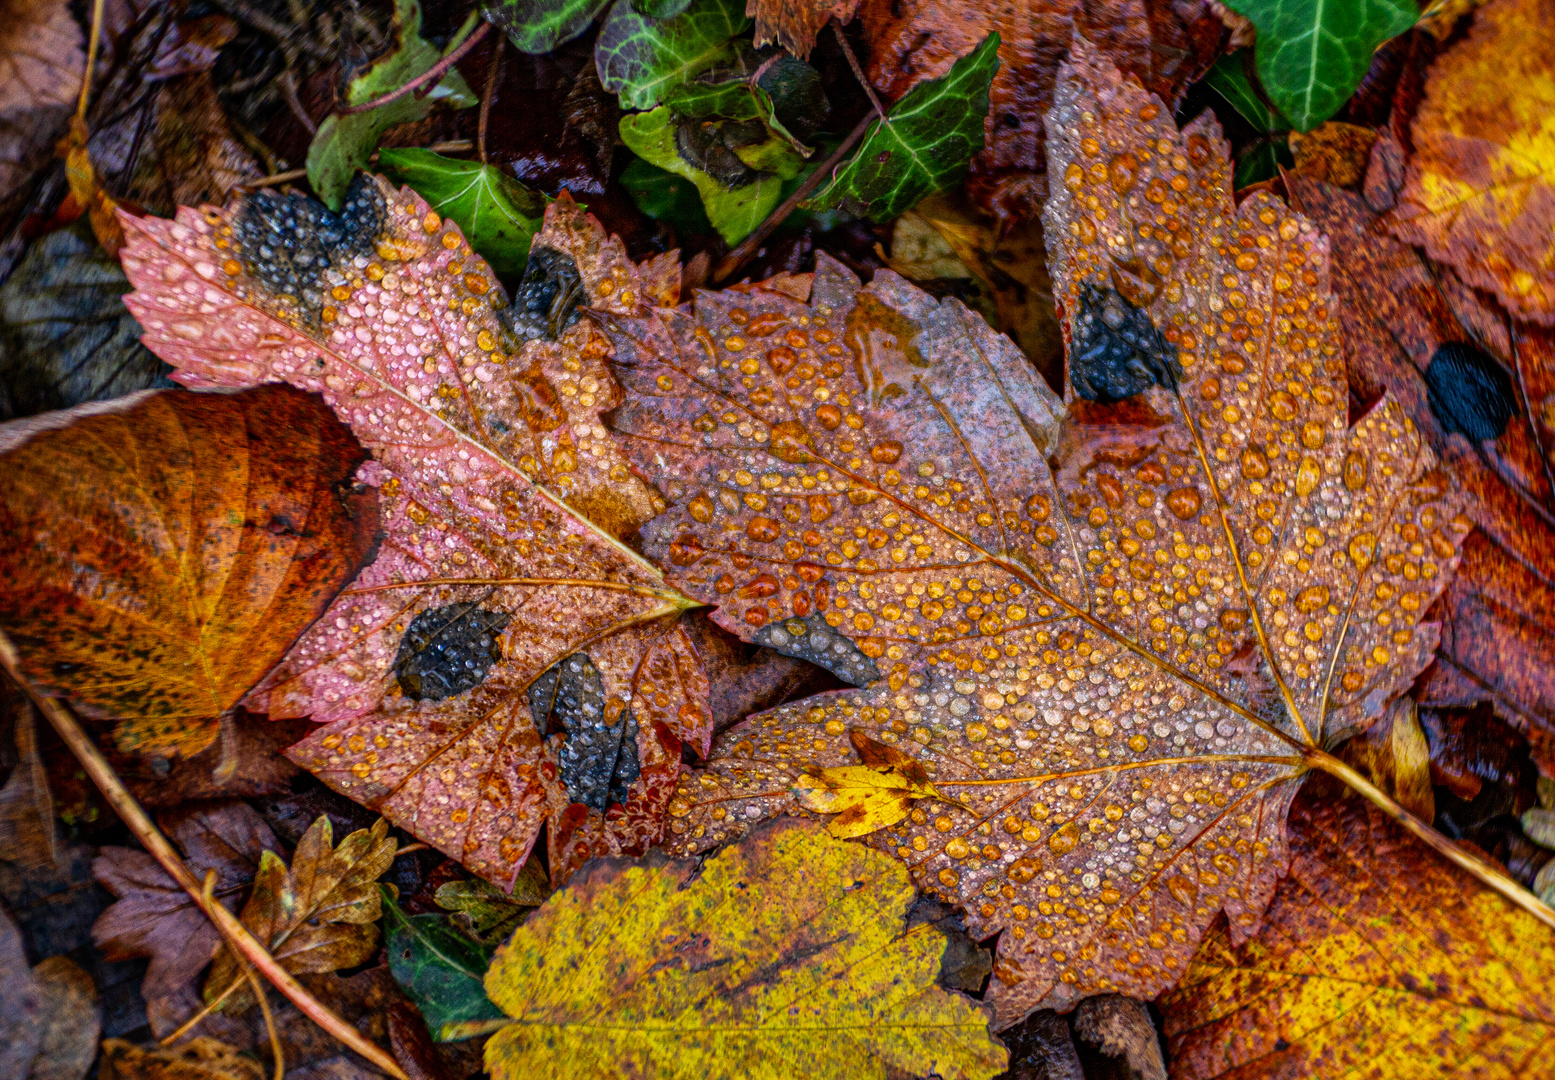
787,956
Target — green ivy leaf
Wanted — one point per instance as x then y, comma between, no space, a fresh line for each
643,59
499,215
741,196
935,129
665,197
1228,78
660,9
1312,53
538,26
1261,161
439,969
344,144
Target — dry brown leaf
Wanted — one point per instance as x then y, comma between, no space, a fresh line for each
27,833
42,56
1479,194
1119,662
794,24
1377,959
1166,44
1395,753
1334,152
198,1059
22,1018
72,1021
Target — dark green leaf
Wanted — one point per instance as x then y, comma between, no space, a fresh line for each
665,197
935,129
538,26
439,969
1228,78
1261,161
343,144
739,184
798,101
499,215
660,9
643,59
65,335
1312,53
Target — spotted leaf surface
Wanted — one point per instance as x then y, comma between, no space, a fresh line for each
503,497
1109,641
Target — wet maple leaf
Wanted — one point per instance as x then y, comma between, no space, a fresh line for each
1376,957
1481,388
1122,662
1478,193
506,661
160,553
1168,45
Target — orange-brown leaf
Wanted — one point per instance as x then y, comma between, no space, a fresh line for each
505,502
1113,662
1479,193
1166,44
1377,959
161,553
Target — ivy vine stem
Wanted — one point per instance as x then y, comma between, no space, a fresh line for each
161,849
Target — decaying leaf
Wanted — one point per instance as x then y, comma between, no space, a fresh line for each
40,77
22,1019
27,830
440,970
506,660
869,797
72,1021
154,916
794,24
805,970
1377,958
198,1059
1117,663
1167,44
317,915
489,914
1452,361
1478,193
161,552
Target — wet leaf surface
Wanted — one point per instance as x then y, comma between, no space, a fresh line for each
643,59
503,491
1376,956
163,551
498,215
629,972
1140,637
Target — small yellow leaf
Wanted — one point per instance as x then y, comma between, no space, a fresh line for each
865,799
787,955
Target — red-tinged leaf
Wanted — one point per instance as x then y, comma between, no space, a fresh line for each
502,589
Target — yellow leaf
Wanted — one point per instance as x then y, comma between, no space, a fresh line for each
1377,958
869,797
787,955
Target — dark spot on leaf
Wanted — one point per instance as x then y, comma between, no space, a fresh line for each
709,145
546,300
289,242
1116,351
798,98
447,651
1280,1044
598,757
812,639
1469,392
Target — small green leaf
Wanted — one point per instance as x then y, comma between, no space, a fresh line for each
538,26
643,59
736,201
935,129
489,914
666,197
344,144
1228,78
499,215
1260,161
1312,53
439,969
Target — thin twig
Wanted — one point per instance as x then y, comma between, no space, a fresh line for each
491,91
205,1010
452,146
411,849
858,73
431,77
742,254
288,85
91,61
151,838
209,892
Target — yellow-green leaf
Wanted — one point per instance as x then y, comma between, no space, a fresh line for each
787,955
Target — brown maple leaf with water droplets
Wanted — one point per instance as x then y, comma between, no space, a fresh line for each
507,660
1118,664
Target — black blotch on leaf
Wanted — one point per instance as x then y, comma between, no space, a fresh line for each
447,650
598,756
546,300
814,640
710,145
289,242
1469,392
798,95
1116,351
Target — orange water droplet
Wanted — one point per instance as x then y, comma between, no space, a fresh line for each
1184,502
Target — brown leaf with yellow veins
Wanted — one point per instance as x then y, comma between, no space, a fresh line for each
1479,193
319,914
1377,959
507,662
1121,662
